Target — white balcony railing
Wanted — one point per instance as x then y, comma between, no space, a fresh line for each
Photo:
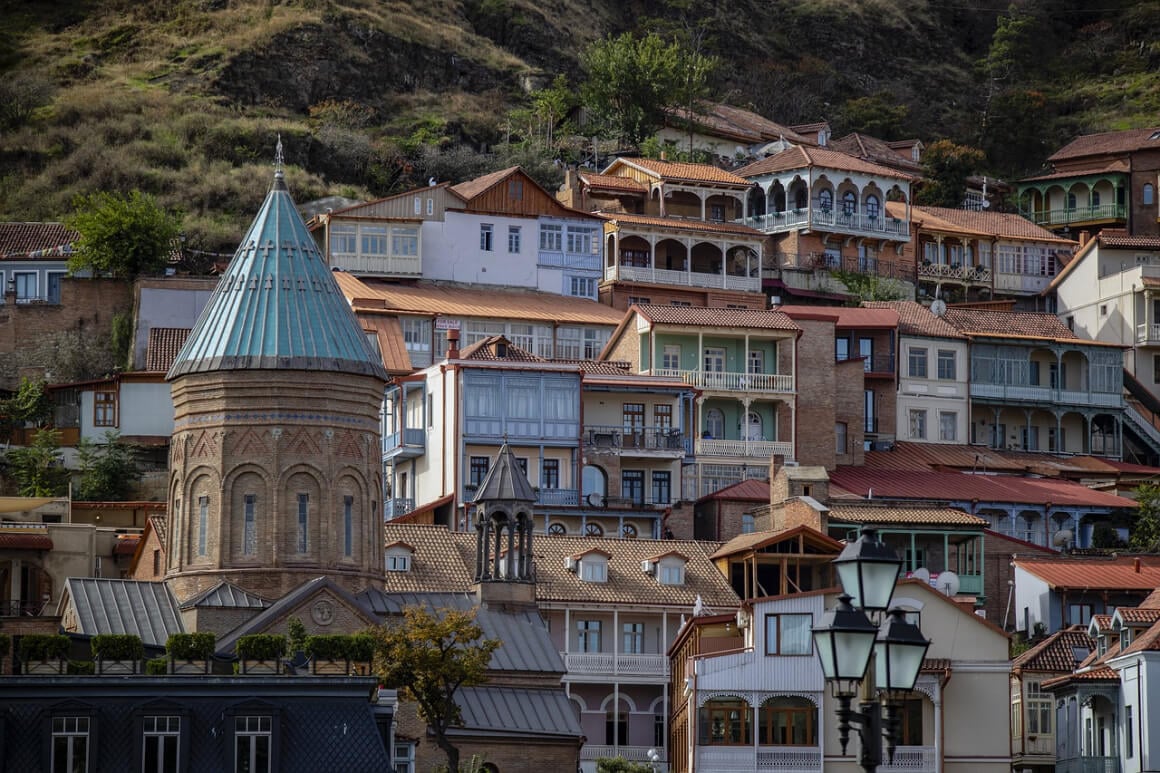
789,759
761,448
1147,334
778,383
1041,394
608,664
912,759
661,276
631,753
951,271
389,265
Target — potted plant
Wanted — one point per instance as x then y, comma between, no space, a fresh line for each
329,654
190,653
261,653
44,653
117,653
361,653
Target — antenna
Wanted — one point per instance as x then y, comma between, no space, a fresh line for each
279,159
948,583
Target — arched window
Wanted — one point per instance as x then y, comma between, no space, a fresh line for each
593,530
557,528
753,427
628,531
849,203
1095,198
594,480
1149,193
1071,200
787,721
825,200
872,206
715,423
799,200
725,722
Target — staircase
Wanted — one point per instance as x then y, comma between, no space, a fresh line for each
1141,416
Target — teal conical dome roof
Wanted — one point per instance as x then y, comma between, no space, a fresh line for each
277,307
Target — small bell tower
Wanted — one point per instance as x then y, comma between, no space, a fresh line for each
504,522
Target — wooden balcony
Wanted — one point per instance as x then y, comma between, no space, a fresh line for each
607,664
1101,213
743,448
1048,395
832,221
955,273
722,381
379,265
660,276
570,260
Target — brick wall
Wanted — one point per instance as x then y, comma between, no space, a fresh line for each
850,409
87,307
816,393
998,552
617,295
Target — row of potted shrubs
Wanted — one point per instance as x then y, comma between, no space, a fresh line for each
186,648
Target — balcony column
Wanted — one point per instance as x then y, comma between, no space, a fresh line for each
567,634
704,199
1027,436
998,441
14,567
744,197
743,433
1058,433
616,639
652,252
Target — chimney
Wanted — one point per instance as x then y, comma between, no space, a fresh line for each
1083,238
776,462
453,344
1136,565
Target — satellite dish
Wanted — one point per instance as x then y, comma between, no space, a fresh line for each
948,583
1062,538
596,499
986,204
921,573
938,307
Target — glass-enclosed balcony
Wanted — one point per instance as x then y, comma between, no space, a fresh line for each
1088,765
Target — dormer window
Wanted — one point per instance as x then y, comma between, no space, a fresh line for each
398,557
669,568
594,568
1125,638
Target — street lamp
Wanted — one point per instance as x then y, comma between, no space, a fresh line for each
654,757
884,658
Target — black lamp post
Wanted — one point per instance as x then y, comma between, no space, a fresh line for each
883,658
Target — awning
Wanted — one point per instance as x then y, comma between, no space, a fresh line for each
23,504
25,539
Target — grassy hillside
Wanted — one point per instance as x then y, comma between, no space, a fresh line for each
184,98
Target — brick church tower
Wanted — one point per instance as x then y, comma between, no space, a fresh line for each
275,460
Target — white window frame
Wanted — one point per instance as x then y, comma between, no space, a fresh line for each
486,237
594,568
514,239
167,730
71,730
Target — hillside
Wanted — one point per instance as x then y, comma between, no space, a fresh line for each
184,98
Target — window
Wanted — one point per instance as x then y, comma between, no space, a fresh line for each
724,722
788,634
485,230
916,361
872,206
632,486
841,437
161,742
825,200
662,487
579,240
633,638
582,286
343,240
418,205
105,408
717,212
1149,194
588,635
787,721
1103,309
404,758
405,241
849,203
398,559
628,531
552,238
671,571
946,364
1079,613
663,416
1129,740
616,727
593,530
1039,708
347,526
513,239
478,470
917,424
756,361
374,240
70,745
250,526
25,285
515,189
303,520
430,206
252,744
671,357
594,567
202,524
550,473
911,726
948,426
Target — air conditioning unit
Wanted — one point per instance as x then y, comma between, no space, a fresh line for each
572,564
648,567
742,618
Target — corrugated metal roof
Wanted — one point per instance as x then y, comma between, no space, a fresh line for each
518,711
930,456
861,317
981,222
146,609
1117,573
226,595
748,490
469,189
277,306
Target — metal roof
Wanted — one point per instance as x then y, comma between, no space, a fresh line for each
226,595
147,609
277,306
519,711
1121,573
505,481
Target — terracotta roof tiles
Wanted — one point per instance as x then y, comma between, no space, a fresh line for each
1137,616
770,319
1056,653
914,319
1102,166
163,345
682,224
613,182
1095,574
861,317
1001,225
876,150
917,516
1148,640
36,240
438,565
801,158
1005,323
694,173
1119,238
1108,142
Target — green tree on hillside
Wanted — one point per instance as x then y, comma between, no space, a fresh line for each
946,167
38,469
121,235
1146,526
109,470
428,656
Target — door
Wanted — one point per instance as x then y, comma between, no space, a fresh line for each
866,352
753,427
54,287
714,363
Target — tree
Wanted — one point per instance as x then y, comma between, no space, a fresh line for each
879,115
428,656
109,471
30,404
946,167
1145,535
632,81
39,469
621,765
122,236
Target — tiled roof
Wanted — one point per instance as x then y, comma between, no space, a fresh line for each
745,542
1118,238
613,182
36,240
961,487
1094,574
917,516
1098,674
1100,167
1152,601
1101,622
437,563
914,319
682,172
681,224
126,544
742,125
801,158
1146,641
861,317
1108,142
1000,323
770,319
874,149
438,299
472,188
749,489
25,540
498,348
277,306
163,345
1056,653
1002,225
1137,616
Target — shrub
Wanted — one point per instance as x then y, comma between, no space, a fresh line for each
43,646
191,646
328,647
5,644
157,666
261,646
81,667
362,648
118,646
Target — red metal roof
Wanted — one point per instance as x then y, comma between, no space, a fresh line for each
957,486
126,544
11,541
754,490
848,316
1118,573
767,319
